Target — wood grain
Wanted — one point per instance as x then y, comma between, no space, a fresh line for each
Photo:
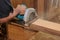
46,26
18,33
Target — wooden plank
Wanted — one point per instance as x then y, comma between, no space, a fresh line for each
46,26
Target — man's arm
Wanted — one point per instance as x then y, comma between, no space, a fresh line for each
11,15
15,12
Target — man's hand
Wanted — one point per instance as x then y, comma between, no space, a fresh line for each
6,19
11,15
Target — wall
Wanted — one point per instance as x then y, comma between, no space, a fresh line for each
15,2
30,3
40,8
52,9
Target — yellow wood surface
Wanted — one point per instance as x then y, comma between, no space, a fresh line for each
18,33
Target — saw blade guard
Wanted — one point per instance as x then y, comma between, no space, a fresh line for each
30,15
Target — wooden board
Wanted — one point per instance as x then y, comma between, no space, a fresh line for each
46,26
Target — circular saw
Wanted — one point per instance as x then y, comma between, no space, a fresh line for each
29,17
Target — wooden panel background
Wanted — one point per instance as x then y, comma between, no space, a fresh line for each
15,2
30,3
40,6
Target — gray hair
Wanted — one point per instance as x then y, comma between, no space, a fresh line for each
24,5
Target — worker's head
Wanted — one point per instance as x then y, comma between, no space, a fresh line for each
22,7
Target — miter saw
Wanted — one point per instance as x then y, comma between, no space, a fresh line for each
29,17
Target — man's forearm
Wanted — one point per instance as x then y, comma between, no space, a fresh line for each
12,15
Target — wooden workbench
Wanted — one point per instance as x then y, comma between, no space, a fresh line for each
18,33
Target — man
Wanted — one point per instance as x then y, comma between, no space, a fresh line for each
6,14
